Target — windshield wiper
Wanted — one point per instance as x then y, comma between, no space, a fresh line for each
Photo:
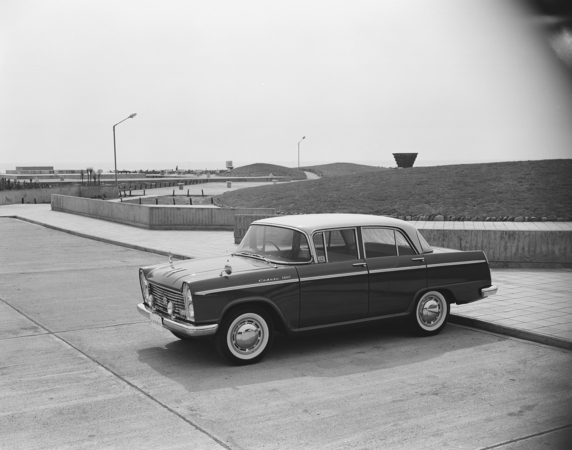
252,255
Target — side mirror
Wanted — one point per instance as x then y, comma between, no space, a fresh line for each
226,271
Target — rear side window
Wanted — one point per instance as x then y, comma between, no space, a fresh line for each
403,246
378,242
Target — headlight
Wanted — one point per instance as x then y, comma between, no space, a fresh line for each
188,302
144,287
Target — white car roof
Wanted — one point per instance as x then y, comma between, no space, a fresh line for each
312,222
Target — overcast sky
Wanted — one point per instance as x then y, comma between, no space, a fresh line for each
454,80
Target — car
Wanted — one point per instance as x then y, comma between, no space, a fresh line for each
309,273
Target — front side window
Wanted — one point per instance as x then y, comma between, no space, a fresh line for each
276,244
340,245
378,242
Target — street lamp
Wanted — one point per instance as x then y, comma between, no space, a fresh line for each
303,137
114,148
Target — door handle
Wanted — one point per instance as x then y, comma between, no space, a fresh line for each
421,258
362,264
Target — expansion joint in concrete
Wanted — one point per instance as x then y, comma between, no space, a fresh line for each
115,374
524,438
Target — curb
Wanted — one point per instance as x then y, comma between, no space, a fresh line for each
99,239
512,332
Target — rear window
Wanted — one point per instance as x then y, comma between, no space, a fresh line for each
425,247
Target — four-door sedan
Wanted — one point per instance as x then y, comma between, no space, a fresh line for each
308,273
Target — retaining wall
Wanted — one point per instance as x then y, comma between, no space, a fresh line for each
155,217
243,221
509,248
44,195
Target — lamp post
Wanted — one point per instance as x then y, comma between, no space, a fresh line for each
303,137
114,148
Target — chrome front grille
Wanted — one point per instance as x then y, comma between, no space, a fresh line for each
159,294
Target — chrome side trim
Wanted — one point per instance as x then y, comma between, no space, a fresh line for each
487,292
351,322
462,263
324,277
183,328
245,286
397,269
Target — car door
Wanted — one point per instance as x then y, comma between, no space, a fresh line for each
335,287
396,271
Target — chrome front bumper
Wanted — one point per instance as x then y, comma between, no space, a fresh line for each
182,328
487,292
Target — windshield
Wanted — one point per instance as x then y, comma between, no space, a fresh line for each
276,244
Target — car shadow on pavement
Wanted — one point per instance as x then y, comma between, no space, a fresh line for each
197,366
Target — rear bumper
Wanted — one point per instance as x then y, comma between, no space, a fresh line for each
182,328
487,292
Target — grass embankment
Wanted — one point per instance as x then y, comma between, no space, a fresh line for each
508,189
339,169
263,170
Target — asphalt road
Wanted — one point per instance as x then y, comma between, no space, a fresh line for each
79,368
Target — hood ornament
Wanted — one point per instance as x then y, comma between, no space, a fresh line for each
170,258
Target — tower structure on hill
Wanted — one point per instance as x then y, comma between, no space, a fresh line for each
405,159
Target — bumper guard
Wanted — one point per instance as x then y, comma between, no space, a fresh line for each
182,328
487,292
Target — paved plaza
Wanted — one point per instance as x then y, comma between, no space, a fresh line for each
533,304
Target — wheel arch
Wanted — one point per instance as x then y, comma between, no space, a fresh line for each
260,302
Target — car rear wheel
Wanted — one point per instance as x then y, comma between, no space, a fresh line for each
245,335
430,314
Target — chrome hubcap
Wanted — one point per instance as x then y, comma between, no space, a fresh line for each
247,336
429,311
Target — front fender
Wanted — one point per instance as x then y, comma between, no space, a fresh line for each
280,322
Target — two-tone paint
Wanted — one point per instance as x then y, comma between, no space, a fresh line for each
305,297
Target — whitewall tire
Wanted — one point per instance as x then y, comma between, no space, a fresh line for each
245,335
430,314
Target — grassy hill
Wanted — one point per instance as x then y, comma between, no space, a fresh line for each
338,169
263,170
523,188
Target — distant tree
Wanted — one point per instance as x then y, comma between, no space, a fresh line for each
99,172
81,173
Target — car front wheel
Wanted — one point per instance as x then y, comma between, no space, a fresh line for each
430,314
245,335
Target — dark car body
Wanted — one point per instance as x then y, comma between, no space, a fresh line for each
314,272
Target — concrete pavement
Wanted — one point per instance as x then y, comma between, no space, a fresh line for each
533,304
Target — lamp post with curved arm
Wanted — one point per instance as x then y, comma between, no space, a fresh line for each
303,137
115,151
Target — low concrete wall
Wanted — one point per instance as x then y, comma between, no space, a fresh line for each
243,221
154,217
44,195
509,248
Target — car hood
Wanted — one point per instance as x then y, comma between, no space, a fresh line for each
172,275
